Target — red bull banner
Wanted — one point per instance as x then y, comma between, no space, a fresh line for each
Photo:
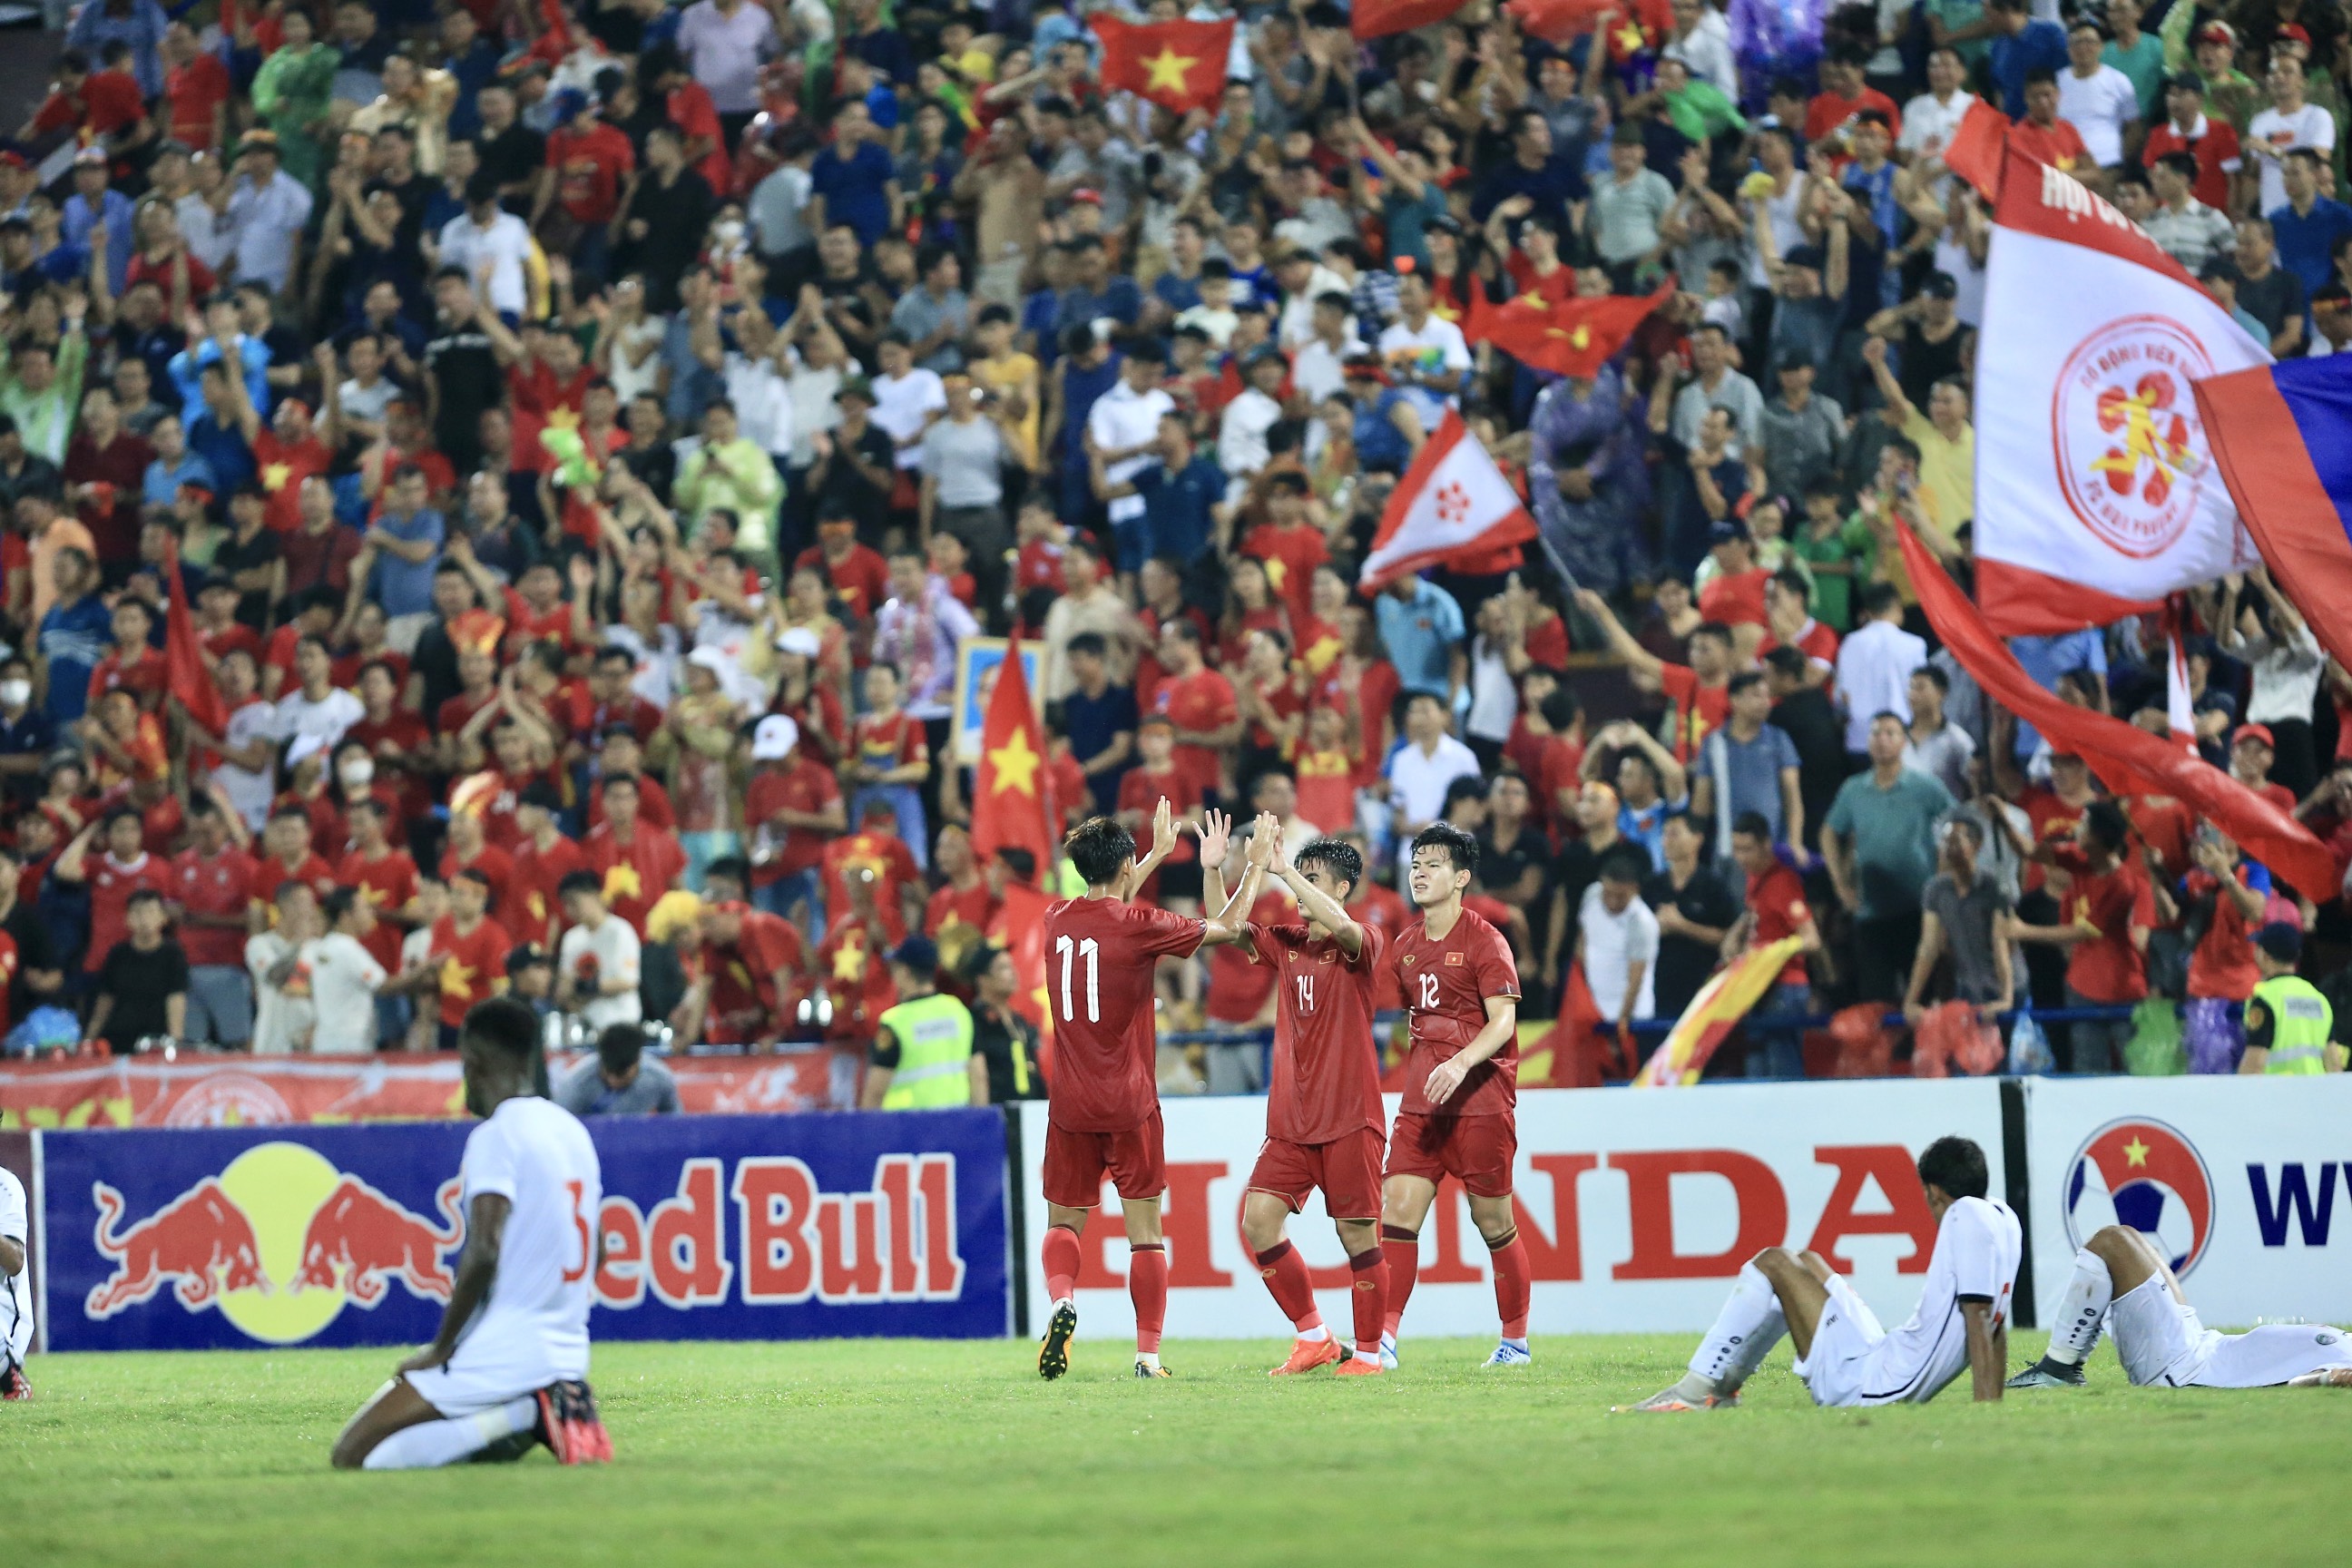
249,1091
714,1228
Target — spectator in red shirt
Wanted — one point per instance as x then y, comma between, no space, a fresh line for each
468,953
1776,909
1844,95
859,576
2044,137
791,808
196,89
638,861
1199,702
210,891
542,858
754,973
2109,910
133,664
2252,751
1733,594
2222,912
591,160
123,869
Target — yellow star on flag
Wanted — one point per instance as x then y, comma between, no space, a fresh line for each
2135,1152
274,476
1168,70
623,882
457,979
1582,338
1630,39
1015,763
849,964
1534,301
1277,569
562,419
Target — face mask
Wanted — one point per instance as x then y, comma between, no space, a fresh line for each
729,233
15,693
358,773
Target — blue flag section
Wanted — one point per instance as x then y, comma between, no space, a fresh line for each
2281,435
713,1227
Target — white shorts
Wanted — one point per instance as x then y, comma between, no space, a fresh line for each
1845,1364
2162,1340
459,1391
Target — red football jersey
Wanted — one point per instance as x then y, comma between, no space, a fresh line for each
1326,1067
537,874
270,873
1239,985
635,875
1699,709
805,786
743,993
387,882
1778,900
1099,957
220,884
492,862
476,970
1446,981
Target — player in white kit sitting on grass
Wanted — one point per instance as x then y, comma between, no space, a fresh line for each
507,1371
2122,1281
1843,1355
15,1288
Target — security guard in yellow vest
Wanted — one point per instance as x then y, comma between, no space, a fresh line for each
922,1056
2287,1020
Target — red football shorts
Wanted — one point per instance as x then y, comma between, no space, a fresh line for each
1346,1168
1476,1150
1075,1163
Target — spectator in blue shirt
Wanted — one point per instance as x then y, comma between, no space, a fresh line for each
406,542
472,61
74,634
853,181
137,23
2307,230
1094,290
2047,659
217,436
1182,496
1421,625
2021,46
93,202
25,732
1549,183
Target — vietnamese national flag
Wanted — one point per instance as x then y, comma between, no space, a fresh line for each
1714,1012
1570,337
1453,504
2282,436
1009,809
1559,21
1019,928
2127,758
1974,152
1379,18
1180,66
184,664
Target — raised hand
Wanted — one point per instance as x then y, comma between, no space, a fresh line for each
1163,829
1216,833
1265,844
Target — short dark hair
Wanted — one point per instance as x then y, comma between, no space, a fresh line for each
579,882
504,1024
1754,824
1881,597
619,1047
1099,848
1745,680
2109,825
1625,863
1956,1167
1336,855
1461,848
1934,676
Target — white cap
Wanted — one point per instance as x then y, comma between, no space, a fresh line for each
711,659
799,640
773,741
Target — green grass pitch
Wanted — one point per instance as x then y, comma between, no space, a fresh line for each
931,1453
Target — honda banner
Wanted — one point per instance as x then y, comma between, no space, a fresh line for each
2235,1179
1636,1207
713,1227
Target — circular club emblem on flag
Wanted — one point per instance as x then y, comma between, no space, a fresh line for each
2124,421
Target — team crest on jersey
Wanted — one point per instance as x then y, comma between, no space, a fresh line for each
1453,958
1412,958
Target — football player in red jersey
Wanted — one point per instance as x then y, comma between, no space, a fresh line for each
1324,1124
1103,1112
1461,1097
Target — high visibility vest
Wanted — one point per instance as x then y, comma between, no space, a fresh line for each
2300,1019
934,1034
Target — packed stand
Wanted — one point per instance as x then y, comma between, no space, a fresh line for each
589,441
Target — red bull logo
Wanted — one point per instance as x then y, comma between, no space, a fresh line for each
278,1243
200,1243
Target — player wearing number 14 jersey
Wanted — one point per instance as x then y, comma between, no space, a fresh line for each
1323,1117
1103,1106
1459,1116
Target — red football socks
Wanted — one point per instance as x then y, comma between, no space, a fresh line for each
1513,1287
1366,1295
1402,1249
1061,1255
1286,1280
1147,1287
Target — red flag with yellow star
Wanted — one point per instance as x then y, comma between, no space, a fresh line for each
1010,809
1180,66
1379,18
184,664
1571,337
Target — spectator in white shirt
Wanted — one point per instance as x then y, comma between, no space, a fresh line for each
2289,122
2097,100
1617,939
597,962
1318,370
1124,424
487,232
907,398
1930,118
1875,666
343,977
1242,449
1702,41
1419,771
1426,353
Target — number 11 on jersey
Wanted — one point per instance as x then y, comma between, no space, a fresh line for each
1092,952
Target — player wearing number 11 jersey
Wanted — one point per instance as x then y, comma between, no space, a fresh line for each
1103,1105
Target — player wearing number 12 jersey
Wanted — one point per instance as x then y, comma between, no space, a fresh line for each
1323,1116
1459,1116
1103,1105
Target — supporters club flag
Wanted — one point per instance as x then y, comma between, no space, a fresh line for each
2282,436
1976,149
1453,506
1714,1013
1379,18
1569,337
2096,492
1010,804
183,661
2127,758
1180,66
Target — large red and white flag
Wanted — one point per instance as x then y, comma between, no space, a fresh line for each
2095,494
1453,505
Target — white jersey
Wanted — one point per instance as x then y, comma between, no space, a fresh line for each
2162,1340
16,1290
533,1329
1852,1361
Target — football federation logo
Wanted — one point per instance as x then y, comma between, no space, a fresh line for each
1452,502
2129,447
2144,1175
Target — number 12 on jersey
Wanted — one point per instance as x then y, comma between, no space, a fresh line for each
1428,991
1091,950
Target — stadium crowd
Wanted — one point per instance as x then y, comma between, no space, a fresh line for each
587,436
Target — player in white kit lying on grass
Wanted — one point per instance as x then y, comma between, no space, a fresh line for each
2123,1282
1843,1353
508,1370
